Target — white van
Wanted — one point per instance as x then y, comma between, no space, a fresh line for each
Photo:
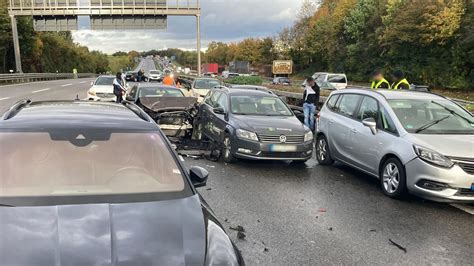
334,80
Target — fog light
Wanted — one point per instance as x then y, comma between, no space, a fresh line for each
432,185
309,151
244,150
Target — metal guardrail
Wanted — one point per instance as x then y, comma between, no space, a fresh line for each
30,77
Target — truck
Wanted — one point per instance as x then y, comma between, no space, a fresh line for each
211,68
240,67
282,67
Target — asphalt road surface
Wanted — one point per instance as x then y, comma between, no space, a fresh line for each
310,214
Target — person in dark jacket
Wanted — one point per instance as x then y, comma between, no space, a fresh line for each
119,90
311,100
400,82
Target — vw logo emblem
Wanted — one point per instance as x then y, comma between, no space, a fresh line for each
282,138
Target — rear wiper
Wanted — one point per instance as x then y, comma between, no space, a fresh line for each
432,123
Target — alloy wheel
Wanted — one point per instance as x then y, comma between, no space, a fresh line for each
391,178
227,148
322,149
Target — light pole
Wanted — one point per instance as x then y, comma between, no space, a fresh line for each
198,24
16,44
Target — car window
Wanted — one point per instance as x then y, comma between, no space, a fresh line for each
222,102
348,103
133,91
337,79
259,105
368,109
385,122
206,83
208,97
67,167
104,81
332,102
212,99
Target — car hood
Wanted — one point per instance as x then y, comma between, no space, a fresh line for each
152,233
448,145
164,103
103,88
289,125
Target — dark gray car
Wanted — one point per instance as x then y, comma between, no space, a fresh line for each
87,183
253,124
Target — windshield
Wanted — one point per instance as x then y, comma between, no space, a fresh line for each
160,92
206,83
35,165
154,72
432,116
104,81
259,105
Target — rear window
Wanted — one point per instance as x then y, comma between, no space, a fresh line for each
337,79
41,164
160,92
206,84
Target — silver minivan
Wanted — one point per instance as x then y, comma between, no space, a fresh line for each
414,142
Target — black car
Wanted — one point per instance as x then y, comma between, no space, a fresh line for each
253,123
131,76
87,183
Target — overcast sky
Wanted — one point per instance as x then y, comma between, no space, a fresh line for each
221,20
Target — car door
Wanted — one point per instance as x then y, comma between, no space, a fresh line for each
340,125
220,122
367,146
208,115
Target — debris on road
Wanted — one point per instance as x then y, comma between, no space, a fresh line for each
322,210
265,249
372,230
330,229
209,188
226,220
397,245
241,235
238,228
210,166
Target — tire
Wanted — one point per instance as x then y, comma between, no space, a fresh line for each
322,151
393,179
226,152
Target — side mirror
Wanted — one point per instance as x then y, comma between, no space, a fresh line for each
219,111
370,123
198,176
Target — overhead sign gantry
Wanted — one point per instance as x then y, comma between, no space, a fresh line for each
66,15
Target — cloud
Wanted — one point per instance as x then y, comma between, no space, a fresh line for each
221,20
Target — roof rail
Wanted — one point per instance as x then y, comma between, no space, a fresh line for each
16,107
137,110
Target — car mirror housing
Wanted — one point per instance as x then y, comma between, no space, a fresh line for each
370,123
219,110
198,176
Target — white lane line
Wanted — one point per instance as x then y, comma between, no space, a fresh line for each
66,85
5,98
464,207
82,82
47,89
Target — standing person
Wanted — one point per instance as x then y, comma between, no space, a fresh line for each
400,82
168,80
119,90
311,100
378,81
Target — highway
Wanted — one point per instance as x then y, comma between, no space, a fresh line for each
310,214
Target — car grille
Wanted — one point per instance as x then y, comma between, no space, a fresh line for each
290,139
467,164
105,95
282,154
465,192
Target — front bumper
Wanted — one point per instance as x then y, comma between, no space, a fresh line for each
246,149
99,99
450,185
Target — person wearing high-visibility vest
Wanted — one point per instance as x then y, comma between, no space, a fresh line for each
400,82
378,81
169,80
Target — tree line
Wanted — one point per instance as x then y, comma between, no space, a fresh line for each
432,41
45,51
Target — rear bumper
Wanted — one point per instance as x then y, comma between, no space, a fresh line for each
265,151
451,185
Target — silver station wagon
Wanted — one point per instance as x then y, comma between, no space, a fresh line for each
414,142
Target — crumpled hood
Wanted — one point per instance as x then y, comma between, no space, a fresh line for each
103,88
289,125
161,103
447,145
152,233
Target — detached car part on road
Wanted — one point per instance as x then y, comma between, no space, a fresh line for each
87,183
253,124
412,141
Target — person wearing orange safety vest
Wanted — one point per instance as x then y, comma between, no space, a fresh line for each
400,82
378,81
168,80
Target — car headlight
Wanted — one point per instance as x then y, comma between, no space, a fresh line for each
245,134
432,157
308,136
91,92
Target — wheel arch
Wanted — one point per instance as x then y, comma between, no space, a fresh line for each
385,158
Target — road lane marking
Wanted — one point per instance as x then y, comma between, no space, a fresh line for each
82,82
47,89
66,85
464,207
5,98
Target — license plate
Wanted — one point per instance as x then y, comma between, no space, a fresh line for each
282,148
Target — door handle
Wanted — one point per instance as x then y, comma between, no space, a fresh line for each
331,121
354,131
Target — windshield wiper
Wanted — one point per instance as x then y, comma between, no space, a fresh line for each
453,112
432,123
5,205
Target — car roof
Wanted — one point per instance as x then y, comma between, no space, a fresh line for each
38,116
204,78
155,85
394,94
106,76
250,92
